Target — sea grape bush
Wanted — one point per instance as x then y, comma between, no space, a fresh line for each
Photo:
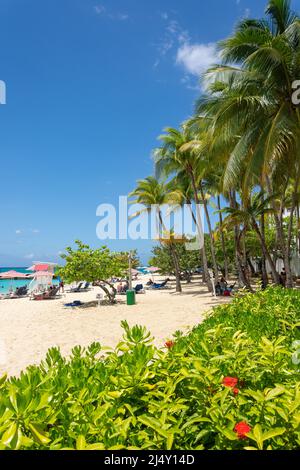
229,384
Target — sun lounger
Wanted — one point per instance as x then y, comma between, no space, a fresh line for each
75,303
158,286
50,294
85,287
77,288
139,289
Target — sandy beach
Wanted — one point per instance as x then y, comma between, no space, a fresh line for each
29,328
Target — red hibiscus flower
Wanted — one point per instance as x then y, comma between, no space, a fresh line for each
242,429
169,344
236,391
230,382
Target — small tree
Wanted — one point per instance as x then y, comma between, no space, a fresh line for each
95,266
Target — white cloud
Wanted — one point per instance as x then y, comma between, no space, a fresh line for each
197,58
99,9
102,11
35,230
29,256
18,232
122,16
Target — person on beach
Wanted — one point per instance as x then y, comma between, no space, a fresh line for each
119,288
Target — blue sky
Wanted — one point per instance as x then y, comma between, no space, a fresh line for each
90,86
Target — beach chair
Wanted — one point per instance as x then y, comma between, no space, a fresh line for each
50,294
77,288
21,291
158,286
85,287
139,289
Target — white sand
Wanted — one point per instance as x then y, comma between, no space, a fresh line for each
29,328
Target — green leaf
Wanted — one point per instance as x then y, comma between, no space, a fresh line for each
153,424
38,434
9,435
3,379
97,446
275,392
80,442
170,441
273,433
228,433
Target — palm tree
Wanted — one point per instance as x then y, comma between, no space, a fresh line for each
153,194
248,215
181,152
180,193
252,110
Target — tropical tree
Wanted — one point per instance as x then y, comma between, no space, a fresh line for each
248,215
153,195
251,110
93,265
180,152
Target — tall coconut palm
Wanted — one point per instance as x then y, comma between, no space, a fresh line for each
153,195
251,106
180,151
181,193
249,215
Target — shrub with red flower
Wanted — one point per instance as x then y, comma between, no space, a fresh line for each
230,382
169,344
242,429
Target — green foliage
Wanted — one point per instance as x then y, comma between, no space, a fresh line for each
141,397
90,265
188,260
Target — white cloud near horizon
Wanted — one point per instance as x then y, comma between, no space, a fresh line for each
197,58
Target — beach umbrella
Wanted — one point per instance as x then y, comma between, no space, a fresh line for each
153,269
13,275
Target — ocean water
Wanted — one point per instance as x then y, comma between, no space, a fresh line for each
7,285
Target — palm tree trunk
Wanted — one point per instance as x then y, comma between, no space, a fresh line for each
202,248
174,256
281,238
264,274
291,223
222,238
242,277
266,252
298,227
211,238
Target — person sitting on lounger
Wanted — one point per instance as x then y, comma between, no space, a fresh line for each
119,288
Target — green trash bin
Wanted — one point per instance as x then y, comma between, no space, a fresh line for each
130,294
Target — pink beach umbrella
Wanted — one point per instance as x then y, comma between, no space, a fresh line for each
153,269
13,275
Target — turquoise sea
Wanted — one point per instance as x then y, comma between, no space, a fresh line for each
11,284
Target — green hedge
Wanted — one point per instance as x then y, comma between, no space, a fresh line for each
230,384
